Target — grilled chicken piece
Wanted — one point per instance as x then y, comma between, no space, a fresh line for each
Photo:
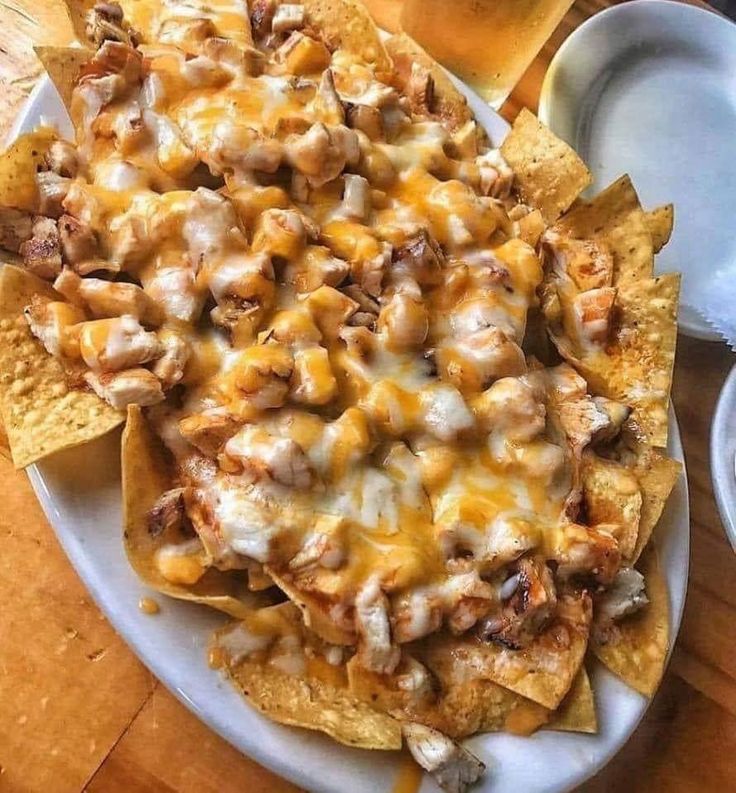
587,553
52,190
322,152
110,345
592,312
589,263
78,241
128,387
466,598
302,55
421,259
62,159
16,227
168,515
261,16
105,23
327,104
420,91
496,176
323,546
175,352
444,413
356,199
265,455
55,325
262,375
625,595
510,407
236,145
280,232
208,431
313,381
366,119
108,298
529,600
42,252
454,768
174,290
376,652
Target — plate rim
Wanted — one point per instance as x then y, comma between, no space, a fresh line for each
722,455
701,329
678,539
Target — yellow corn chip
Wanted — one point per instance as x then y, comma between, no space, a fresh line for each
576,712
309,700
660,222
449,104
636,367
611,495
18,166
41,413
616,217
635,648
657,475
347,25
549,174
62,65
145,477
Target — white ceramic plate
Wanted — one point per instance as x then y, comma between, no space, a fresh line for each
723,455
80,494
649,88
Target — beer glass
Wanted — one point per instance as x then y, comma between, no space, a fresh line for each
488,43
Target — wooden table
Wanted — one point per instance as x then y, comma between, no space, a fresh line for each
78,711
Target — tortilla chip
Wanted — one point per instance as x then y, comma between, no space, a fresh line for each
657,475
576,712
660,222
62,65
4,444
41,414
18,166
611,495
549,174
616,217
465,704
312,609
77,10
347,25
636,367
449,103
145,476
312,702
635,649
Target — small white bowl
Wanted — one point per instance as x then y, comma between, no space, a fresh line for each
649,88
723,455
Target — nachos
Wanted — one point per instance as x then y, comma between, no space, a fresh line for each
285,255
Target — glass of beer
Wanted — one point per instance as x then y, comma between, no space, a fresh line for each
488,43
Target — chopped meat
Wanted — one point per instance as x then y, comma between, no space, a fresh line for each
234,144
375,649
261,14
366,119
444,412
268,456
466,598
356,200
528,601
280,232
129,387
313,381
323,546
105,23
586,553
175,290
42,252
109,345
626,594
240,284
301,55
321,153
511,408
16,227
52,190
327,104
404,322
420,91
617,413
208,431
589,263
454,768
78,241
415,615
53,324
262,375
61,158
288,16
169,367
168,515
496,176
108,298
420,258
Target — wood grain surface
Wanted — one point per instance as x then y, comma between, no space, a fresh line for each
78,711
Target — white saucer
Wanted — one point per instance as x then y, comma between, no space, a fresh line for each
723,455
649,88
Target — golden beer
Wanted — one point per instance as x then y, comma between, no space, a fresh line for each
488,43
